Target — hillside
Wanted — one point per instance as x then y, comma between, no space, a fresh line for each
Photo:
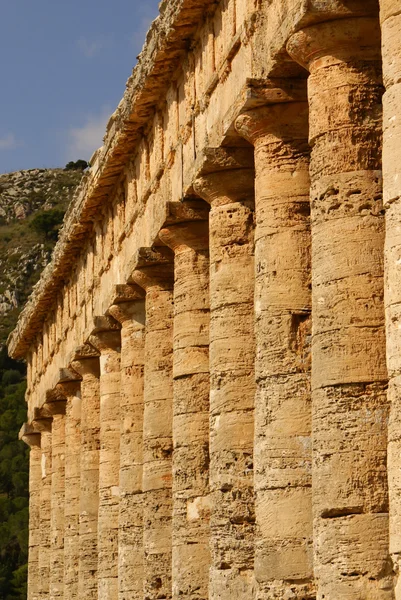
32,204
25,248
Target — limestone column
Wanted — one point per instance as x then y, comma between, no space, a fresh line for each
191,513
129,311
72,487
32,438
349,377
44,426
227,185
390,15
283,414
154,275
107,340
57,503
86,364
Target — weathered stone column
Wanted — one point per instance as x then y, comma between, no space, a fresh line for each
86,364
155,276
44,425
228,186
189,239
72,487
390,15
283,414
32,438
57,410
129,311
107,340
349,378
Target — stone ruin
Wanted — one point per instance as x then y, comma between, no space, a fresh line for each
214,352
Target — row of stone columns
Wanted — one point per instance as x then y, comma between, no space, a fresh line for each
229,435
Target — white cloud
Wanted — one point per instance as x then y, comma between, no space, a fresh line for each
90,48
84,140
8,142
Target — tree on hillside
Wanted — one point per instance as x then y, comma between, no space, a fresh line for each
79,165
48,222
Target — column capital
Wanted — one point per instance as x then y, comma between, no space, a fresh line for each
85,361
106,336
84,352
29,435
127,312
68,389
188,210
67,375
186,226
127,293
86,366
183,236
42,420
227,176
274,122
333,42
154,268
225,159
56,402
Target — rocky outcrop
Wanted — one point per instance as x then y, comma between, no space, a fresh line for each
23,252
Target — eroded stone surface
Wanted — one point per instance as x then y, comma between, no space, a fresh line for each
157,281
190,528
349,376
239,391
282,447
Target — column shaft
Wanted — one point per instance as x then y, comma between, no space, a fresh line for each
108,343
232,354
157,430
88,368
191,504
72,492
45,514
131,316
283,415
390,15
57,508
349,378
35,486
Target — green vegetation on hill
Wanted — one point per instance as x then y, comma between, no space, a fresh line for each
14,479
32,206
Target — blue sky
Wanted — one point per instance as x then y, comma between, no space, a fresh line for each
64,68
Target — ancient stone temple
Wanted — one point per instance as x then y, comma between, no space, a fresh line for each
214,352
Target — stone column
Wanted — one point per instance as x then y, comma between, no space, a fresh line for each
390,15
129,311
107,340
349,378
227,185
283,414
155,276
72,485
190,531
44,425
86,364
56,586
32,438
